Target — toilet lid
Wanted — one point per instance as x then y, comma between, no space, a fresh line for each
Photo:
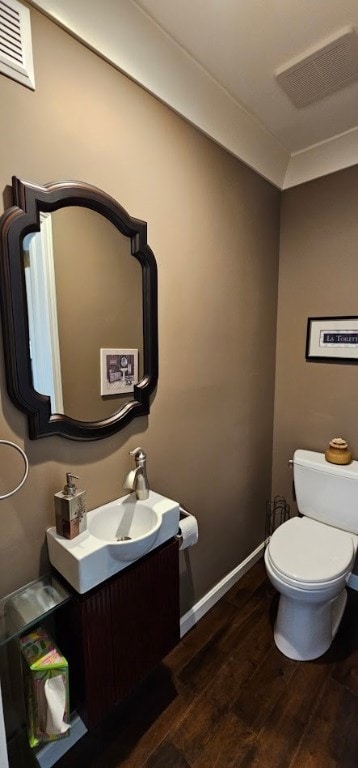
308,551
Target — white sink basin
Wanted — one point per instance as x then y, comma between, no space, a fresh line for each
117,534
131,526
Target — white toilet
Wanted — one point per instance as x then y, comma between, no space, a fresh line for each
309,559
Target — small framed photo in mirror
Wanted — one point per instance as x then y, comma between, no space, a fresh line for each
119,371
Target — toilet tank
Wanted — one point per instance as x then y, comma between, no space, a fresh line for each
326,492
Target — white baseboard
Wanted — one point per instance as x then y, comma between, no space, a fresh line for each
216,593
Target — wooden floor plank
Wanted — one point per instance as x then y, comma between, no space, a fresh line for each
330,737
167,756
262,691
283,728
243,590
228,745
251,622
146,726
208,710
215,621
222,688
194,731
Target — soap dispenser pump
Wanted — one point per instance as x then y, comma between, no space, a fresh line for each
70,509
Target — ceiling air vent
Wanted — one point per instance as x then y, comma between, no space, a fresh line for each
324,71
15,43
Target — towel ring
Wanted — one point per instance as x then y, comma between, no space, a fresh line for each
26,472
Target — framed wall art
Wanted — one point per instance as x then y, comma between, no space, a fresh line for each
119,371
332,339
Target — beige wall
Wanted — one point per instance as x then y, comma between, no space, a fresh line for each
213,226
318,277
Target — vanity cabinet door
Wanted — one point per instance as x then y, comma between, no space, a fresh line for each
145,616
93,669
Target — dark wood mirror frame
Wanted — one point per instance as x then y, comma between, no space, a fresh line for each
23,218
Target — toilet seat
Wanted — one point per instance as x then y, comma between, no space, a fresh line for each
310,555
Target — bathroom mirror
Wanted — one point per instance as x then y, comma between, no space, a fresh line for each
79,312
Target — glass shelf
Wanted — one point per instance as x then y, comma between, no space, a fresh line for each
20,610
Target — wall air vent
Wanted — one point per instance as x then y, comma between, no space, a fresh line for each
325,70
15,43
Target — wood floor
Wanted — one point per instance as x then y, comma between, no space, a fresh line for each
227,698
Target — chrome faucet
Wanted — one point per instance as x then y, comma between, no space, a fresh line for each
136,480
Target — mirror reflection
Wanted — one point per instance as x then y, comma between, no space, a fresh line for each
84,294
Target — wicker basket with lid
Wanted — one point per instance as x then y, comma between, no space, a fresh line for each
338,451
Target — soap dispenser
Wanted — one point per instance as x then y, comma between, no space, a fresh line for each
70,509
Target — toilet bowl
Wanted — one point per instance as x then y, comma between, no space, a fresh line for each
309,558
308,562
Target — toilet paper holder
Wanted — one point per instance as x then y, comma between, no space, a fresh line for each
183,513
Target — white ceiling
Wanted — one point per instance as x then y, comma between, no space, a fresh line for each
242,43
214,61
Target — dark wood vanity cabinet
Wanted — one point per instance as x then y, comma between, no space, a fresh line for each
119,632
